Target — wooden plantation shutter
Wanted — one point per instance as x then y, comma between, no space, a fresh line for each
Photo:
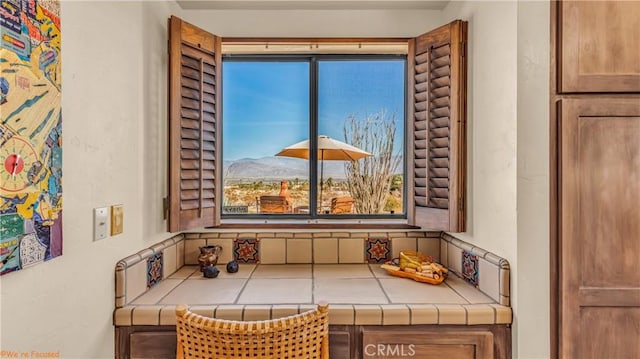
194,126
437,128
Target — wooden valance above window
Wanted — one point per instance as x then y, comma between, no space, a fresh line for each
330,46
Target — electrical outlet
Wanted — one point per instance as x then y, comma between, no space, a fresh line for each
117,219
100,223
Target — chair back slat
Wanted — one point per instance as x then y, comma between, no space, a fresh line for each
305,335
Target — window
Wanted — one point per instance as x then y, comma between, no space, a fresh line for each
434,173
353,106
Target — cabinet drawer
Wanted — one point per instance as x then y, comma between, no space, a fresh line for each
448,344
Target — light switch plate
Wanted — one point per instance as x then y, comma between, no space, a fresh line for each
117,219
100,223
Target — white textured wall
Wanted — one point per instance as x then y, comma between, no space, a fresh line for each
318,23
114,127
508,153
533,181
114,116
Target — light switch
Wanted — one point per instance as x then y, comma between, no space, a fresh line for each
100,223
117,217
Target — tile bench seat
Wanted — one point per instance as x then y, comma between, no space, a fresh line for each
358,294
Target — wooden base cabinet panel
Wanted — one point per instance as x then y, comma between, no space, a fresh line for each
353,342
450,343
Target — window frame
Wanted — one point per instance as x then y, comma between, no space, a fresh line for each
313,61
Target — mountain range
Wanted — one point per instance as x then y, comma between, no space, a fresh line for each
280,168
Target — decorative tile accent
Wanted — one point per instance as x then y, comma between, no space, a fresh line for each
154,269
470,268
247,250
377,250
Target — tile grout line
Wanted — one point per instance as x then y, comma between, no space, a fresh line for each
172,289
245,285
455,291
379,284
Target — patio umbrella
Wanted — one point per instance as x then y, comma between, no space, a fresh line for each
328,150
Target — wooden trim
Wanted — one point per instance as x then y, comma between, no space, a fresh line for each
409,180
201,159
217,210
431,215
313,226
174,126
314,40
187,39
553,188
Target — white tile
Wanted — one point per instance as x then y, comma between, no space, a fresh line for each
204,292
404,291
341,271
454,258
180,254
472,294
273,251
192,250
444,260
169,265
282,271
402,244
348,291
244,271
379,272
489,279
153,295
185,272
430,247
276,291
325,250
226,255
136,280
299,250
351,250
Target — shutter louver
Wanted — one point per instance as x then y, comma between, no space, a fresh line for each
437,71
194,73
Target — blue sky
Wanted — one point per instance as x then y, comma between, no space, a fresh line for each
266,104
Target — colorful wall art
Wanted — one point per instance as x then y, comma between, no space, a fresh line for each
30,133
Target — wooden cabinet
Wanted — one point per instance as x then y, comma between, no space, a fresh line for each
354,341
599,46
595,179
600,216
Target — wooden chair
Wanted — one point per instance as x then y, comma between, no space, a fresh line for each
273,204
305,335
341,205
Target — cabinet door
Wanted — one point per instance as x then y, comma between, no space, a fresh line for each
340,342
599,46
153,345
449,344
599,186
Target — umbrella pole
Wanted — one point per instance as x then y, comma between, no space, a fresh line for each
321,177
